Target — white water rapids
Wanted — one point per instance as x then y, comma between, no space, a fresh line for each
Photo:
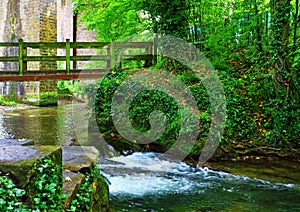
144,180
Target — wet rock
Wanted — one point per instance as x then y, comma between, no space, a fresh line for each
10,141
72,183
78,158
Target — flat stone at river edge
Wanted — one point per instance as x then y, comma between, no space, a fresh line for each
19,160
10,141
76,158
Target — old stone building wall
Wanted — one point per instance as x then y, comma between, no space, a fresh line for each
37,21
65,30
10,30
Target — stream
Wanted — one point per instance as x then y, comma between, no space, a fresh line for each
147,182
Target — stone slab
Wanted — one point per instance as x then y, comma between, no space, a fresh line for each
76,158
18,160
10,141
72,182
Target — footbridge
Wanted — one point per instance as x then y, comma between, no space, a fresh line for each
108,53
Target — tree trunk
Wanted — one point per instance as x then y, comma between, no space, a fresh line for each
257,28
280,32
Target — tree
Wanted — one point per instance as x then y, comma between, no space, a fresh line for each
113,20
168,16
281,10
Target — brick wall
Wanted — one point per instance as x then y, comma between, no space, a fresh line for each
48,30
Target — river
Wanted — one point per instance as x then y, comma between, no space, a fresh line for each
147,182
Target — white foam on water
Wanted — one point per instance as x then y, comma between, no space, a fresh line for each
146,173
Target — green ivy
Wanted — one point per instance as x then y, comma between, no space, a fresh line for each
47,195
10,196
83,200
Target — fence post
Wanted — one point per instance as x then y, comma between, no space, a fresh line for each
155,49
112,56
21,46
108,65
148,51
24,58
68,56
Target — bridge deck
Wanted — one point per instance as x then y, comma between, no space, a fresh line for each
51,75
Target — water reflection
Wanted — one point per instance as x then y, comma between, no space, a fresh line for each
47,126
3,130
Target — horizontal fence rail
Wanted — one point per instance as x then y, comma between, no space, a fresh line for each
111,56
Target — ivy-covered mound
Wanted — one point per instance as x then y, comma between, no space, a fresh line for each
33,179
258,122
44,194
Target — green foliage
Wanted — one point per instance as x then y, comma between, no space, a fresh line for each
10,196
83,199
255,113
145,103
152,100
168,17
47,195
45,191
113,20
7,101
67,87
248,42
105,89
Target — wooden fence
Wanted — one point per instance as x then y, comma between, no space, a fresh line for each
149,56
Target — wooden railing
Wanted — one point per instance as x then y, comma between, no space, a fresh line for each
110,57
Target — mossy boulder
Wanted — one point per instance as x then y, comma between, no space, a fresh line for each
86,188
18,161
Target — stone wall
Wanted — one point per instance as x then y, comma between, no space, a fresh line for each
48,30
34,21
65,30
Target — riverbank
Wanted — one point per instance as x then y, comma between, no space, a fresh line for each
17,107
229,151
255,151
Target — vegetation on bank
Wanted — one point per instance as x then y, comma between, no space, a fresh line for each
44,194
254,47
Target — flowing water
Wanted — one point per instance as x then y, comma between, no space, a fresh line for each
144,182
147,182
